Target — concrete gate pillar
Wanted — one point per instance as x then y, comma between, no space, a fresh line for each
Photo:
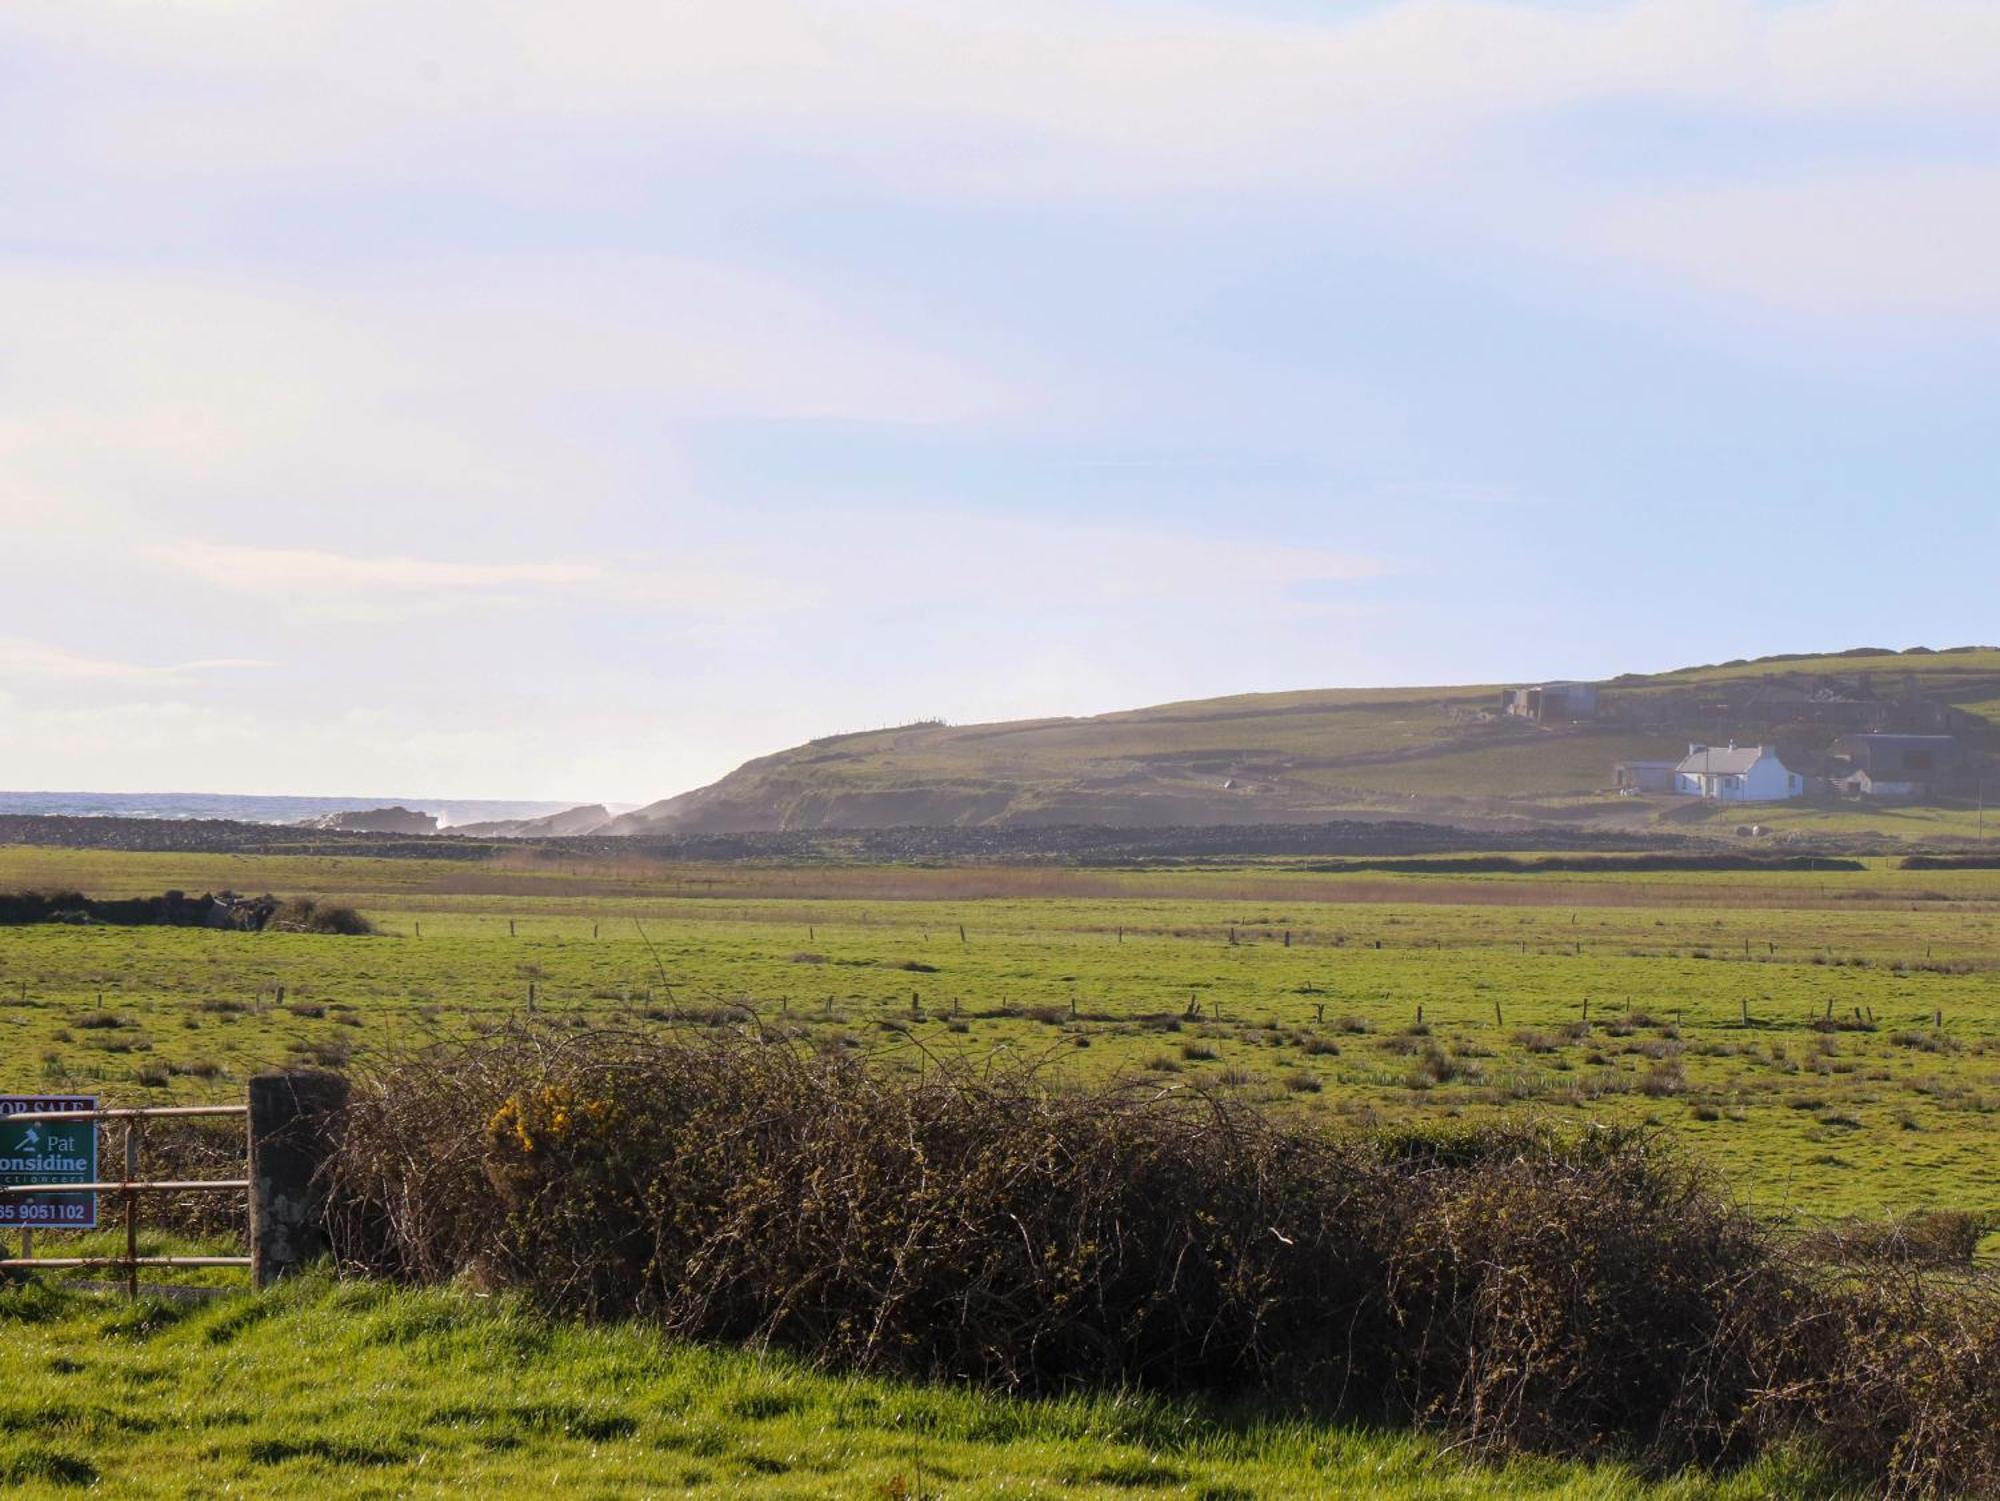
292,1116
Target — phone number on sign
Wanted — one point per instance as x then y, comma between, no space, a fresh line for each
62,1212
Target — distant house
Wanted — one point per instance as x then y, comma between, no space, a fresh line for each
1635,777
1551,703
1895,765
1736,774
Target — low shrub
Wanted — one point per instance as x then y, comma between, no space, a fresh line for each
1934,1238
1516,1287
305,914
194,1149
976,1228
1893,1376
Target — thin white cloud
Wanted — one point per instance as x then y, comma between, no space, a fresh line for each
285,570
1114,96
959,561
25,659
441,390
314,585
1022,563
1860,243
1042,98
841,560
303,583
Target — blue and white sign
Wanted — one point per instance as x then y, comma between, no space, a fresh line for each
47,1152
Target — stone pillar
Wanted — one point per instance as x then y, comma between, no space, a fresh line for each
291,1121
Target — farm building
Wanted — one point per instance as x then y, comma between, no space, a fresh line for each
1635,777
1551,703
1736,774
1864,783
1895,765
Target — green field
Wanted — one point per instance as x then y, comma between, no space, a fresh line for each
1830,1041
1696,1001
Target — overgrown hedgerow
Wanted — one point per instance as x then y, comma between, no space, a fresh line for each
1519,1287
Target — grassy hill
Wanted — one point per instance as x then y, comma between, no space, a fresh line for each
1437,752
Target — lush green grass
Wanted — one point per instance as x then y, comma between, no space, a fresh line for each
1957,819
360,1391
1707,995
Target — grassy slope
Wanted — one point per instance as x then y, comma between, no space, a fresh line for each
1935,670
1292,755
358,1391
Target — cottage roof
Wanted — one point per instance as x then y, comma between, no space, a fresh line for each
1724,760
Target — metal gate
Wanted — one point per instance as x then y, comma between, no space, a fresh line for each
127,1188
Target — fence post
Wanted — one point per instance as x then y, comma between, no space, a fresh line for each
132,1210
289,1139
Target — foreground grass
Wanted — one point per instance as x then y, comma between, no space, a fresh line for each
360,1390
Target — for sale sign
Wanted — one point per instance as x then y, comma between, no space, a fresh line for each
35,1152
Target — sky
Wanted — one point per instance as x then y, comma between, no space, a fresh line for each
496,398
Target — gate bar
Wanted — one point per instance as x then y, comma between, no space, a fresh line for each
142,1112
112,1188
66,1261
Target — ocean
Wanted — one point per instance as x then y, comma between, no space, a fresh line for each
450,811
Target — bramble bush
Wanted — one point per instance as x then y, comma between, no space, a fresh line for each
1518,1287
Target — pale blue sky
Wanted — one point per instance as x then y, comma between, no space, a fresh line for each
571,401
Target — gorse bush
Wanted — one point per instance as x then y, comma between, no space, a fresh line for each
1022,1239
1519,1288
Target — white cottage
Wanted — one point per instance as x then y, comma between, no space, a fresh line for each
1736,774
